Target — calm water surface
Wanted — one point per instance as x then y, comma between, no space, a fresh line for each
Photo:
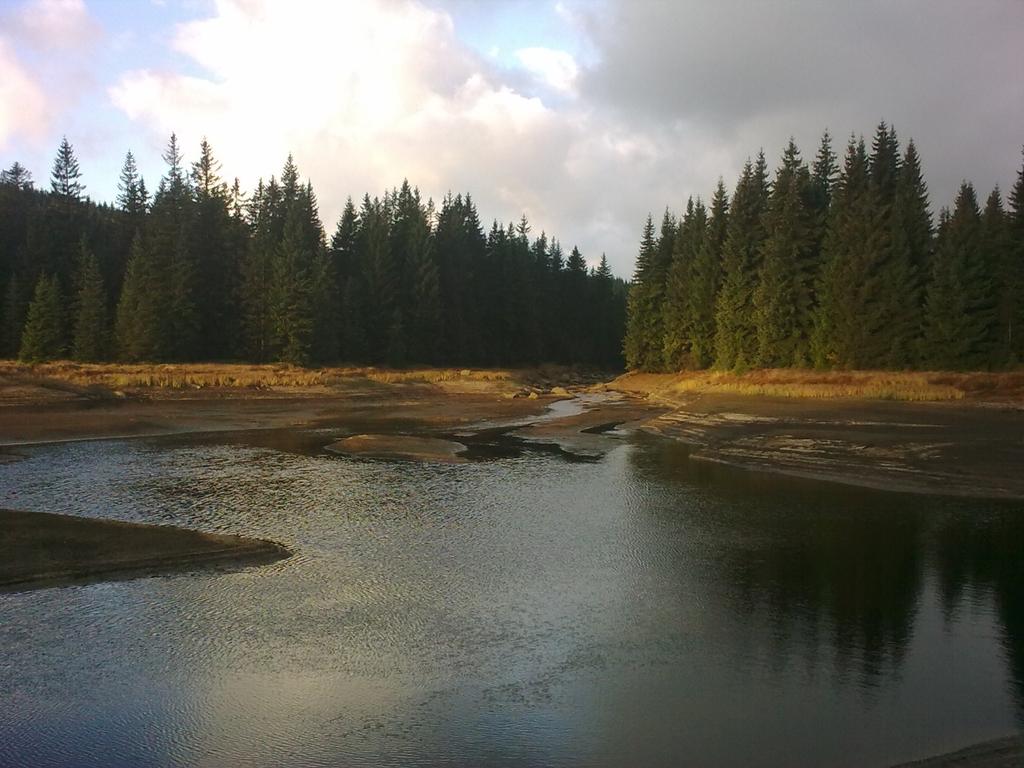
528,610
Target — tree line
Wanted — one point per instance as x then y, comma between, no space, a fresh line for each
200,271
834,265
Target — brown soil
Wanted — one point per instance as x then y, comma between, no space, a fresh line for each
39,549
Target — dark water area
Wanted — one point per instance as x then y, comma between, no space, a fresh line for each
640,609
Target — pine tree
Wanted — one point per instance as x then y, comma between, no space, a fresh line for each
705,281
131,189
784,298
43,336
678,321
17,176
637,343
137,325
291,301
823,177
996,248
736,340
843,329
211,252
959,320
91,333
426,303
65,178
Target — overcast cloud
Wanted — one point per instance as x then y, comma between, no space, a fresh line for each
585,116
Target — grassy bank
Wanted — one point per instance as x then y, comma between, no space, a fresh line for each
916,386
22,383
123,376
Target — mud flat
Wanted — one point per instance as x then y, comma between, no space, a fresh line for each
38,549
966,447
402,447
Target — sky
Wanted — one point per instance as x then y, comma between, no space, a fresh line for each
584,115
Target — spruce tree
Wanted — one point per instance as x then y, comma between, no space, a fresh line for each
137,324
65,178
996,252
17,176
678,318
43,336
959,320
784,298
842,330
130,189
91,333
291,299
637,342
212,254
736,342
705,281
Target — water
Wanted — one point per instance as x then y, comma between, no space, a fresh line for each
638,610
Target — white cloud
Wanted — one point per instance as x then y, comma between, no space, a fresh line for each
24,111
56,24
556,69
363,94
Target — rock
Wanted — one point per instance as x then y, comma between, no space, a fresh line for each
559,391
533,396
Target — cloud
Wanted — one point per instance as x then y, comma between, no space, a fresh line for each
24,112
55,24
363,94
637,106
556,69
754,73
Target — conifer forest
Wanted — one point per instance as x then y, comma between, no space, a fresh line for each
836,264
198,270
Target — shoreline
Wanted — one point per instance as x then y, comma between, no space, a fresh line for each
963,448
42,549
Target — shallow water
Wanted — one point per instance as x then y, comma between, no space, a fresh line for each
637,610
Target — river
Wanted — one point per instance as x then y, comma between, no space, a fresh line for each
528,609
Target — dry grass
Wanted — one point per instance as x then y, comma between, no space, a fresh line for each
230,376
869,385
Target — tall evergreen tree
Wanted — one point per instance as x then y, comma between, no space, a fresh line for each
638,345
91,332
137,325
678,320
131,190
65,178
736,343
784,298
959,320
847,284
996,249
43,336
17,176
705,281
291,303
